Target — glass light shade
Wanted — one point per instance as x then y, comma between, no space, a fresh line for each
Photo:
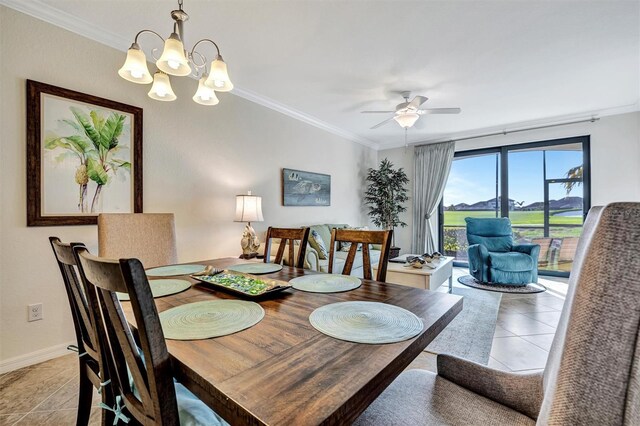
161,89
248,208
407,119
219,77
205,95
135,66
173,60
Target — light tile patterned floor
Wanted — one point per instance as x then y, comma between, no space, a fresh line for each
46,394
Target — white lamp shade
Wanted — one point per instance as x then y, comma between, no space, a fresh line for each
161,89
219,77
135,66
205,95
407,119
173,60
248,208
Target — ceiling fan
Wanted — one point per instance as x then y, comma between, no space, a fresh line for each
408,112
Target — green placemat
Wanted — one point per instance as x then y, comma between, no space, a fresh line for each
160,288
326,283
214,318
366,322
256,268
173,270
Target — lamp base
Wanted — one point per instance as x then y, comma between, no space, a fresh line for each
251,256
249,242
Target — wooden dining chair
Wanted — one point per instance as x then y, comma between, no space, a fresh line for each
146,392
93,369
364,238
150,237
290,235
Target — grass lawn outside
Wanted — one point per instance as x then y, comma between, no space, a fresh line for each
528,218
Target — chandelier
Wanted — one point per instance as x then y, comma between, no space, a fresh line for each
177,61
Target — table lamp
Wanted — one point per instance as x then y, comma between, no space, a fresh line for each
249,209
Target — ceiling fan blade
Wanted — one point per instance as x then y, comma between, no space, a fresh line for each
439,111
417,101
377,112
382,124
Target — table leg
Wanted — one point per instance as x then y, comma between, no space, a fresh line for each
450,283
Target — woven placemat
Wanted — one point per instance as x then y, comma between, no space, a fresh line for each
212,318
326,283
256,268
161,288
173,270
366,322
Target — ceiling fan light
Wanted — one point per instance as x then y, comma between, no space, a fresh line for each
219,77
173,61
161,89
406,120
205,95
135,66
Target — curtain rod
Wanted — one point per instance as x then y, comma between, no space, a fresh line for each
526,129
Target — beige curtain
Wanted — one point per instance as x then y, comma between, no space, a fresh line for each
432,166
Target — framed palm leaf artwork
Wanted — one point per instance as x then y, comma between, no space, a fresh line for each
84,156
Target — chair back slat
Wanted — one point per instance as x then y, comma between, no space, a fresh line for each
364,238
287,236
152,399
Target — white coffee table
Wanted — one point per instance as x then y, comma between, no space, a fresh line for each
425,278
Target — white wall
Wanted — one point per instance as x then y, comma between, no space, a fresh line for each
196,159
615,157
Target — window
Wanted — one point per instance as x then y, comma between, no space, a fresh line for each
543,187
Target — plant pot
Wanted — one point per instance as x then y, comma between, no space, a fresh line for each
394,252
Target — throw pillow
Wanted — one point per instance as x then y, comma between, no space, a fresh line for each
316,242
344,246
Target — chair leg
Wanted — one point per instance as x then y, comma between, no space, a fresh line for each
85,396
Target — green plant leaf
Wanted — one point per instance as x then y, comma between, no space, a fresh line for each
117,163
98,121
111,130
87,126
96,172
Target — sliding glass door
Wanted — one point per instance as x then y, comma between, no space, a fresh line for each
543,187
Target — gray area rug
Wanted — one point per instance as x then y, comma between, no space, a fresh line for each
470,334
469,281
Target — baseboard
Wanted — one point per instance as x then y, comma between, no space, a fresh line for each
34,357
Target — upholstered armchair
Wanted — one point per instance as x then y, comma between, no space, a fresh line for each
494,258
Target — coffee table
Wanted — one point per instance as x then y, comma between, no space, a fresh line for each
425,278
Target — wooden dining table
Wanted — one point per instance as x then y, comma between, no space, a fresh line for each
282,371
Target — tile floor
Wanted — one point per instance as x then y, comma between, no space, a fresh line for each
46,393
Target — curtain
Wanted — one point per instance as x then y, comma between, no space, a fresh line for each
432,166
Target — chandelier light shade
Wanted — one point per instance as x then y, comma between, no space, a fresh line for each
161,89
205,95
173,60
135,67
219,77
406,119
177,61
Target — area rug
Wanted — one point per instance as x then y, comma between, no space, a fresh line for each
468,280
470,334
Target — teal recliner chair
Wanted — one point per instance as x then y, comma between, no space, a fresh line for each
494,258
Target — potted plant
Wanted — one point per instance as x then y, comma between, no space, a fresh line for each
385,195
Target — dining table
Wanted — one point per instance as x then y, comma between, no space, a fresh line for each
282,371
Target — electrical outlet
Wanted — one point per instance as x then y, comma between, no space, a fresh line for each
35,312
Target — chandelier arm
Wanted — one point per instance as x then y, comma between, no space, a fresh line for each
147,31
210,41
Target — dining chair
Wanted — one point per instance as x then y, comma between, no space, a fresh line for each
290,236
363,239
592,375
146,392
150,237
92,363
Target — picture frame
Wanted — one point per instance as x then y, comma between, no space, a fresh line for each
84,156
301,188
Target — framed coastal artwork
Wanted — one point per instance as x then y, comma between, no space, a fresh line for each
84,157
301,188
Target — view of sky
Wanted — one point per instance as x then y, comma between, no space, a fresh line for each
473,179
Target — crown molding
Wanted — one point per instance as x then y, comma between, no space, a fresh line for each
69,22
557,120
